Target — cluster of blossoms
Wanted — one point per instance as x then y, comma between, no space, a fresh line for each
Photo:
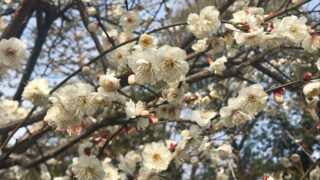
241,109
152,159
12,53
73,102
247,29
149,63
37,92
10,111
204,24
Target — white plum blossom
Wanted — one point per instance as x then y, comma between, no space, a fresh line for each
113,34
272,40
190,140
129,162
111,173
37,91
76,98
58,116
218,65
88,168
109,82
130,21
133,110
252,38
118,57
171,63
174,94
252,16
311,89
146,41
311,43
204,24
126,36
169,111
10,110
234,114
144,65
254,97
102,97
293,29
315,173
147,174
201,45
217,45
224,151
142,123
203,118
156,156
12,52
116,9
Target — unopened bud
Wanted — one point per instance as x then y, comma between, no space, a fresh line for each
307,76
145,113
106,153
132,79
295,158
184,133
85,69
92,27
214,95
153,119
91,11
194,160
205,101
100,146
87,151
98,77
278,98
172,146
92,139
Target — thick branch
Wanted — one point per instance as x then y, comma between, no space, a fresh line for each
19,19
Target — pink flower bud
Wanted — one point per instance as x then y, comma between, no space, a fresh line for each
278,98
145,113
307,76
87,150
210,60
153,119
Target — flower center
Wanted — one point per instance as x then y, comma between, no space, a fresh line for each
294,29
169,63
130,20
314,92
108,175
119,56
156,157
146,41
88,171
251,98
10,52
